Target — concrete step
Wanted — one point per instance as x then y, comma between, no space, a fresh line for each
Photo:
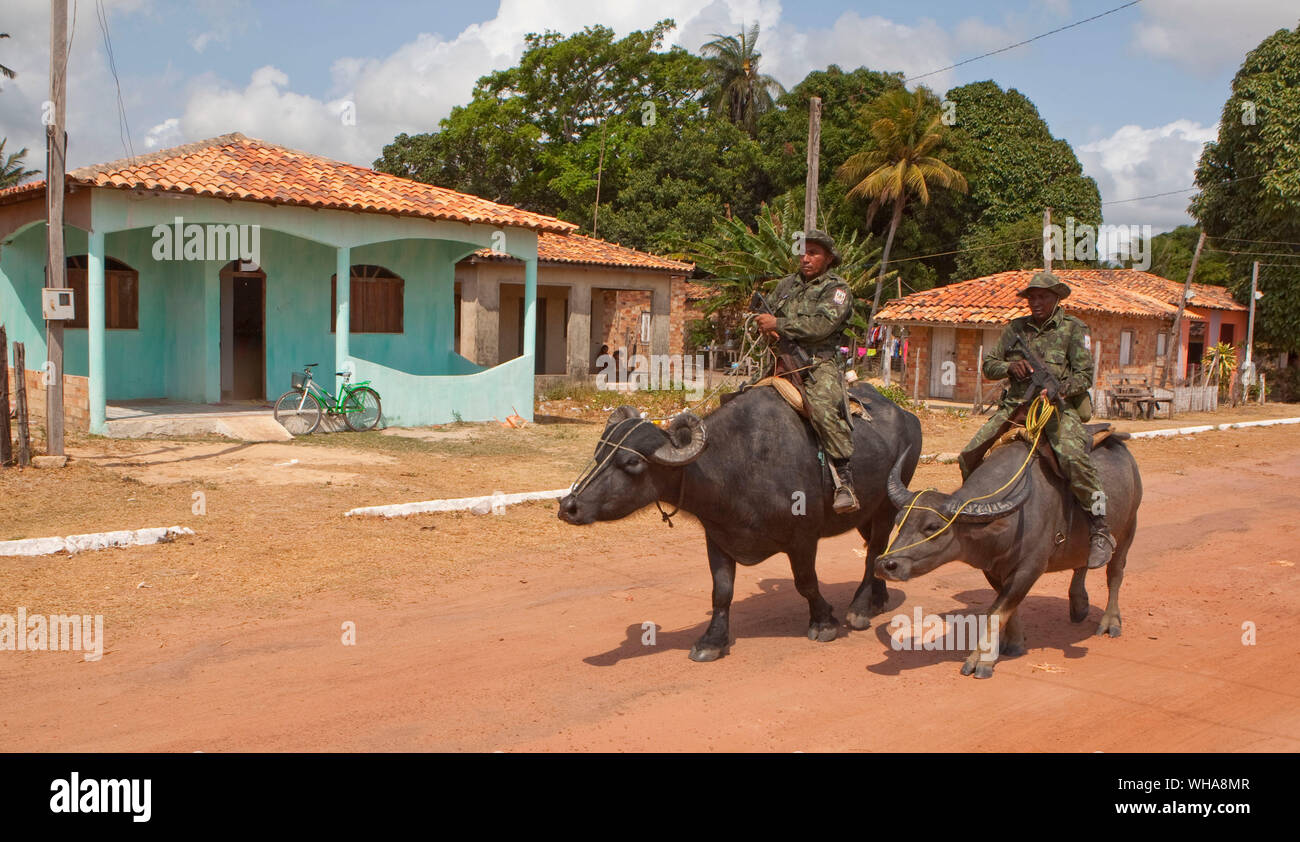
247,427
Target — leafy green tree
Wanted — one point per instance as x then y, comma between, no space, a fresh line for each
904,157
1171,257
1249,180
1015,169
11,166
736,88
738,259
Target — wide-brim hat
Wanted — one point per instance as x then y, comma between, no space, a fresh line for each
824,240
1046,280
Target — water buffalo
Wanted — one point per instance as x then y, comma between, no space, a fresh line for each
750,472
1033,527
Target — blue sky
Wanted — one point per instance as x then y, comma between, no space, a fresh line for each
1136,92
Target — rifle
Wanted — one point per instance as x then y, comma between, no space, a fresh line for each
1041,378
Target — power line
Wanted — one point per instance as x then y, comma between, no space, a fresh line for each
1022,43
972,248
1184,190
1267,242
1255,253
123,127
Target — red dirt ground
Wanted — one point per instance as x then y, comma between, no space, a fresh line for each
542,650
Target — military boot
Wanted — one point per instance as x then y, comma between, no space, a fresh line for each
845,500
1100,543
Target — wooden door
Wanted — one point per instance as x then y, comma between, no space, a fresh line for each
943,362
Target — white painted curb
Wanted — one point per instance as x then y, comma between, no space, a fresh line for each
1187,431
93,541
949,458
495,501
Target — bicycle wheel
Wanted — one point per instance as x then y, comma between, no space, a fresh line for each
362,410
298,412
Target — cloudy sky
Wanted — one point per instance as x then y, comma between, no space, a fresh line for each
1135,92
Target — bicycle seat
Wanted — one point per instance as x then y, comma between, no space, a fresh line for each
342,374
311,365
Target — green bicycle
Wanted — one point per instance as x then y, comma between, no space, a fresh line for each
299,409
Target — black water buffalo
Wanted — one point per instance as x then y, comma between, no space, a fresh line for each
750,472
1033,527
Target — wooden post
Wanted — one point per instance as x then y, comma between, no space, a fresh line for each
814,163
24,435
1263,390
1171,345
56,146
1250,328
6,443
916,385
977,405
1096,374
1047,239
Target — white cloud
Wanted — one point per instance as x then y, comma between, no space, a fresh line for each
167,133
1209,36
1136,161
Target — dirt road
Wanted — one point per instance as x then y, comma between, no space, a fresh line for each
542,649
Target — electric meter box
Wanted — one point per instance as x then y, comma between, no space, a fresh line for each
57,303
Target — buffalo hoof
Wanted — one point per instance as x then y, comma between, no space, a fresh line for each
859,622
1109,625
703,653
980,669
823,632
1078,610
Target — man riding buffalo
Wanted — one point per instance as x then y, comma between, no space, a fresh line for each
810,308
1061,343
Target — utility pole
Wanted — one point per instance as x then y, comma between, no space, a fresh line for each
814,163
1171,344
56,148
1248,370
1047,239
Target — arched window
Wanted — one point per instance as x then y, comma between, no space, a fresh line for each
375,300
121,294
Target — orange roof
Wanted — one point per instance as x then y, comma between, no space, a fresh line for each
1206,295
992,300
236,167
575,248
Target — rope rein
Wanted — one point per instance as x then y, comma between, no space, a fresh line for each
1040,411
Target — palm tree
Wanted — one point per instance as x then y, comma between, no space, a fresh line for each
738,259
11,167
5,71
903,158
737,88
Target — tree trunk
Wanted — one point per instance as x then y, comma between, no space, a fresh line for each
884,261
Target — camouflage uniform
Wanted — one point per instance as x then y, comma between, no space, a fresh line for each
812,313
1062,342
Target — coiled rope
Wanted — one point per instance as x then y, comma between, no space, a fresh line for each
1040,412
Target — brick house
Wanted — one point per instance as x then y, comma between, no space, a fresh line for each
1129,312
590,293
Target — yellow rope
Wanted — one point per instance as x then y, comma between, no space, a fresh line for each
1040,411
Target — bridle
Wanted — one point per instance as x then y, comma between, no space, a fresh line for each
594,465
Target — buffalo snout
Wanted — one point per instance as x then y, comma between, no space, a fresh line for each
569,510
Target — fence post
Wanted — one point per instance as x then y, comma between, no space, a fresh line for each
24,435
6,443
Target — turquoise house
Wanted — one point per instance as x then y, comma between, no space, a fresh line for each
211,271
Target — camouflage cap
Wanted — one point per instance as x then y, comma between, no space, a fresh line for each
823,239
1046,280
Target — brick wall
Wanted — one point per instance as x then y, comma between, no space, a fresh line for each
677,315
1105,329
622,319
76,400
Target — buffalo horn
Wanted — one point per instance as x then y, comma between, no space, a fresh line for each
623,413
987,510
898,493
686,438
